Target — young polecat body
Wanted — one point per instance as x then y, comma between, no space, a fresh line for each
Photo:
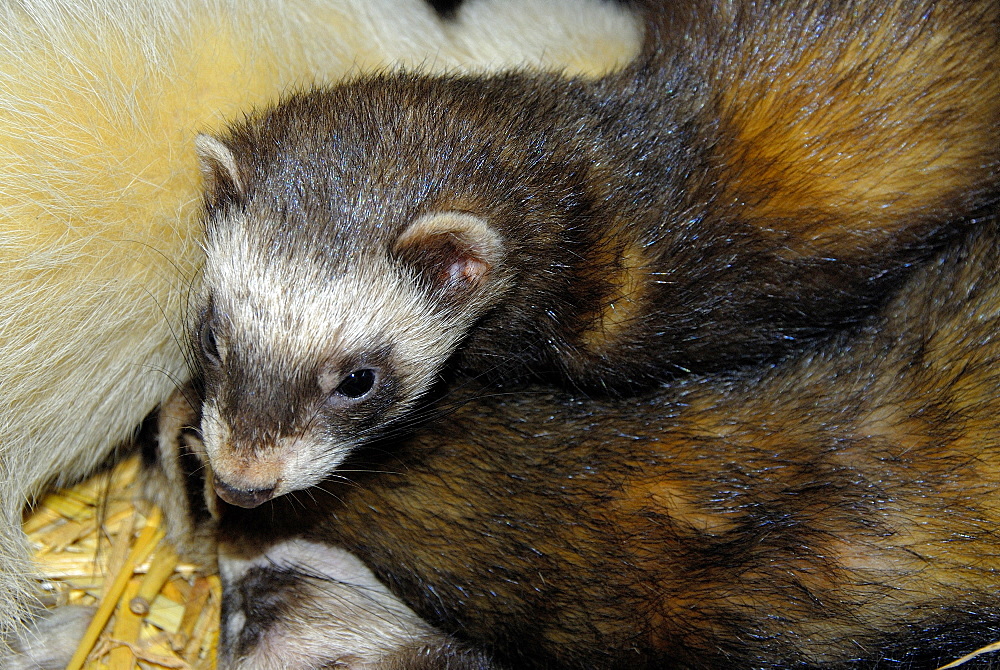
837,510
763,174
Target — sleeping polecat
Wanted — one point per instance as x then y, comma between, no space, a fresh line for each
763,173
837,510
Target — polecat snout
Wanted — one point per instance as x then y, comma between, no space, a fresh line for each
763,174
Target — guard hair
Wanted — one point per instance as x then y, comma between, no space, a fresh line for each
835,510
734,193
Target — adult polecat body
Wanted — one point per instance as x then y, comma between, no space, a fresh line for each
838,510
762,174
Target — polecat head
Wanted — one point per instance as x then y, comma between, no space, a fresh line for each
320,325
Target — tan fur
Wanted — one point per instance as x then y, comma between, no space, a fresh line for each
627,301
847,161
839,508
764,174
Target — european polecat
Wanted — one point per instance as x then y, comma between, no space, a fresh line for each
99,233
839,509
763,174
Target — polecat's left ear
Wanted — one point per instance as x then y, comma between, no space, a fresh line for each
219,169
454,252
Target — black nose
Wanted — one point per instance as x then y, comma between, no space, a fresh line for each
242,497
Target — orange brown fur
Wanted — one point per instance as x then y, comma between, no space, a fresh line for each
762,174
834,510
624,303
899,135
838,509
99,190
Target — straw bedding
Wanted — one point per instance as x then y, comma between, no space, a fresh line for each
95,546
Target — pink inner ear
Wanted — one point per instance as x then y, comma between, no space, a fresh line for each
453,261
465,271
454,251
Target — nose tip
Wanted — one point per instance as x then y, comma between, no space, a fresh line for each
248,498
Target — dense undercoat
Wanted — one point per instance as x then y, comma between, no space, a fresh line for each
839,509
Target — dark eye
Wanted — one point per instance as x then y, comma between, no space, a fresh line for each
209,347
357,384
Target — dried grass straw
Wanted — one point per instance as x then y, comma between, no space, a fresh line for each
95,547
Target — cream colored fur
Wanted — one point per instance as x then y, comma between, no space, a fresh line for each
364,626
100,101
374,289
374,301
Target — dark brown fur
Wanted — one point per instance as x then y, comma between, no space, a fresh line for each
837,510
763,174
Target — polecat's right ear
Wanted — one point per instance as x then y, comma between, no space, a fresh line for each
454,252
219,170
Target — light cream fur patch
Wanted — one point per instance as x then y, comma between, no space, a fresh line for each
295,316
344,616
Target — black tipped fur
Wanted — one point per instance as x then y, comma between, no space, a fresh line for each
835,511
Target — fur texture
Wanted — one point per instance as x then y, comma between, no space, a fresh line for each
765,173
99,239
277,615
836,510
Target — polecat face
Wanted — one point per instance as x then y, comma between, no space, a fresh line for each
306,356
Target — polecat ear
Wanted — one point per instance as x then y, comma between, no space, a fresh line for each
218,167
453,251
